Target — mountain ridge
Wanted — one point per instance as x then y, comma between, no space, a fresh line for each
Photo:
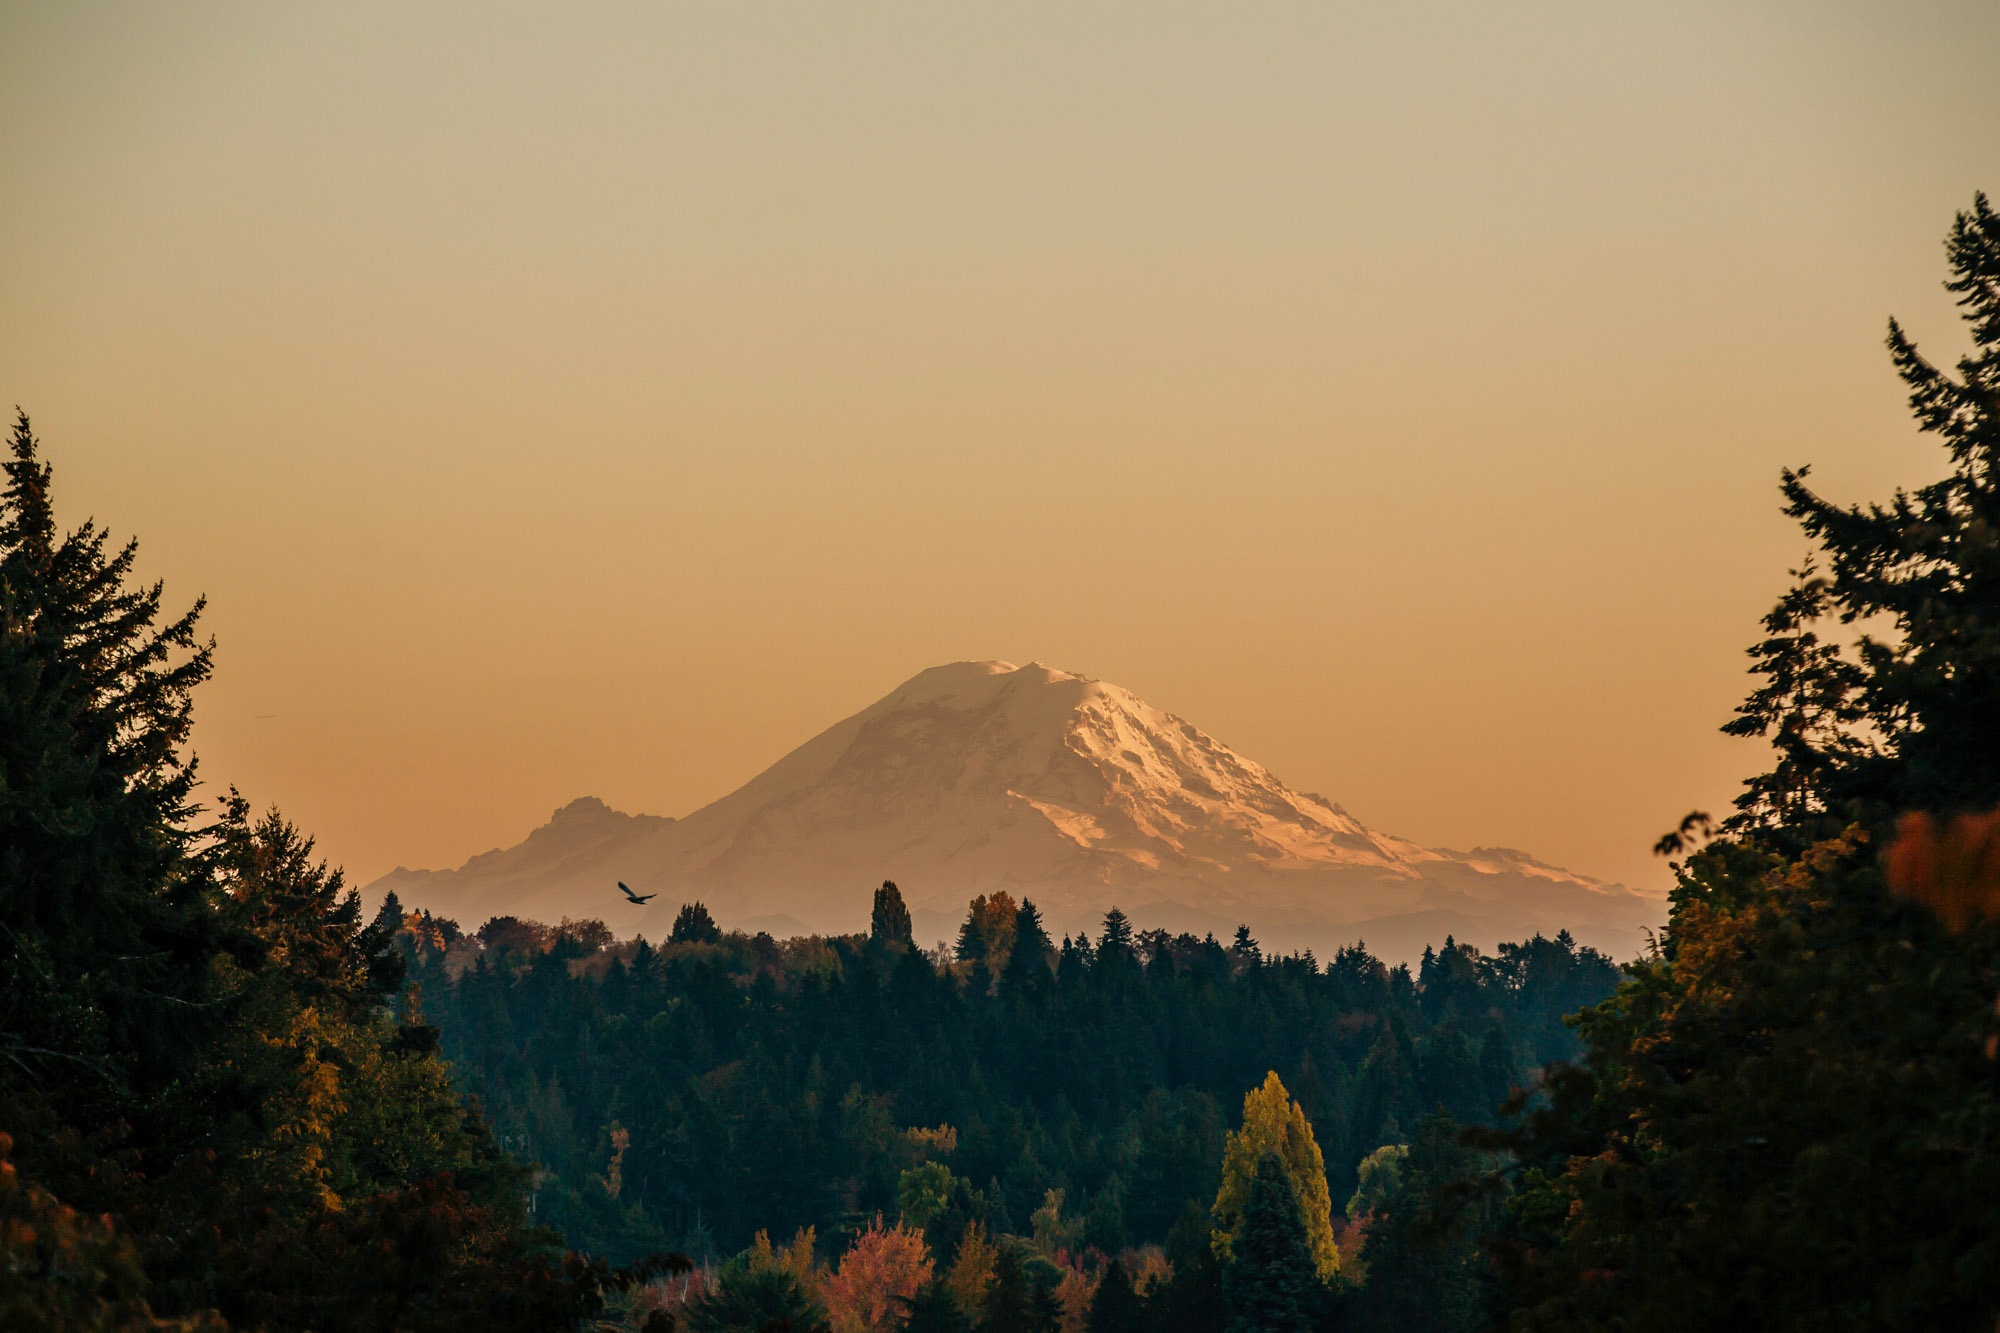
979,776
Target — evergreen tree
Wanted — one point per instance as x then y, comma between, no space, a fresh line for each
1010,1305
105,931
1117,963
1244,952
1045,1312
889,921
199,1036
987,935
693,925
1905,718
644,969
1422,1263
1192,1300
933,1310
972,946
1072,964
1117,935
1496,1066
749,1297
1786,1116
1270,1278
1028,960
765,1090
1275,1126
1104,1222
1115,1307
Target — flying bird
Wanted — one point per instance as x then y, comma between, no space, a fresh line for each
637,897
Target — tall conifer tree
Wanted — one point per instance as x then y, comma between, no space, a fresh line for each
889,921
1786,1116
104,930
1269,1280
1908,717
1028,961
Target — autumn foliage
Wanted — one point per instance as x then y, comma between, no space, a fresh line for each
885,1266
1275,1124
1952,868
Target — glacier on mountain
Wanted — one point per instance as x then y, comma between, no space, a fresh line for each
982,776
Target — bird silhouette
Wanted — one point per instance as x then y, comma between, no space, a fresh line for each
637,897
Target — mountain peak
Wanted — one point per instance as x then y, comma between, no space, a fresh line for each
976,776
584,808
966,684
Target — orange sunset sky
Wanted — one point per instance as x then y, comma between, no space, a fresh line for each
601,399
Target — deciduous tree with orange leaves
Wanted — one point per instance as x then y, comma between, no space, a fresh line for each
884,1267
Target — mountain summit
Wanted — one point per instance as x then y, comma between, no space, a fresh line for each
980,776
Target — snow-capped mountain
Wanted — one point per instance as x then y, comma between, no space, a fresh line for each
1073,792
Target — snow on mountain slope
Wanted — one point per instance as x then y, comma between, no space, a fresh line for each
980,776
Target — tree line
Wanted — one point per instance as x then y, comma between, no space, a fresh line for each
1081,1091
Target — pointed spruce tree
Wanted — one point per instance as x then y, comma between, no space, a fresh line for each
1269,1280
105,925
1010,1301
1028,961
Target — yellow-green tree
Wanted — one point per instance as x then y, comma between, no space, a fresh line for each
1274,1123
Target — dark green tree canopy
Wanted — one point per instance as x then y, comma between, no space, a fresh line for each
1270,1281
1029,961
1010,1304
933,1310
693,925
1786,1118
889,921
748,1298
104,930
1115,1308
1424,1274
1903,715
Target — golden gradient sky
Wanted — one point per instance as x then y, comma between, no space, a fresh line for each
603,398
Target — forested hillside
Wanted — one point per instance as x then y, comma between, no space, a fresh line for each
745,1083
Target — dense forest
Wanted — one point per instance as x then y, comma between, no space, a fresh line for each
1080,1091
230,1098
